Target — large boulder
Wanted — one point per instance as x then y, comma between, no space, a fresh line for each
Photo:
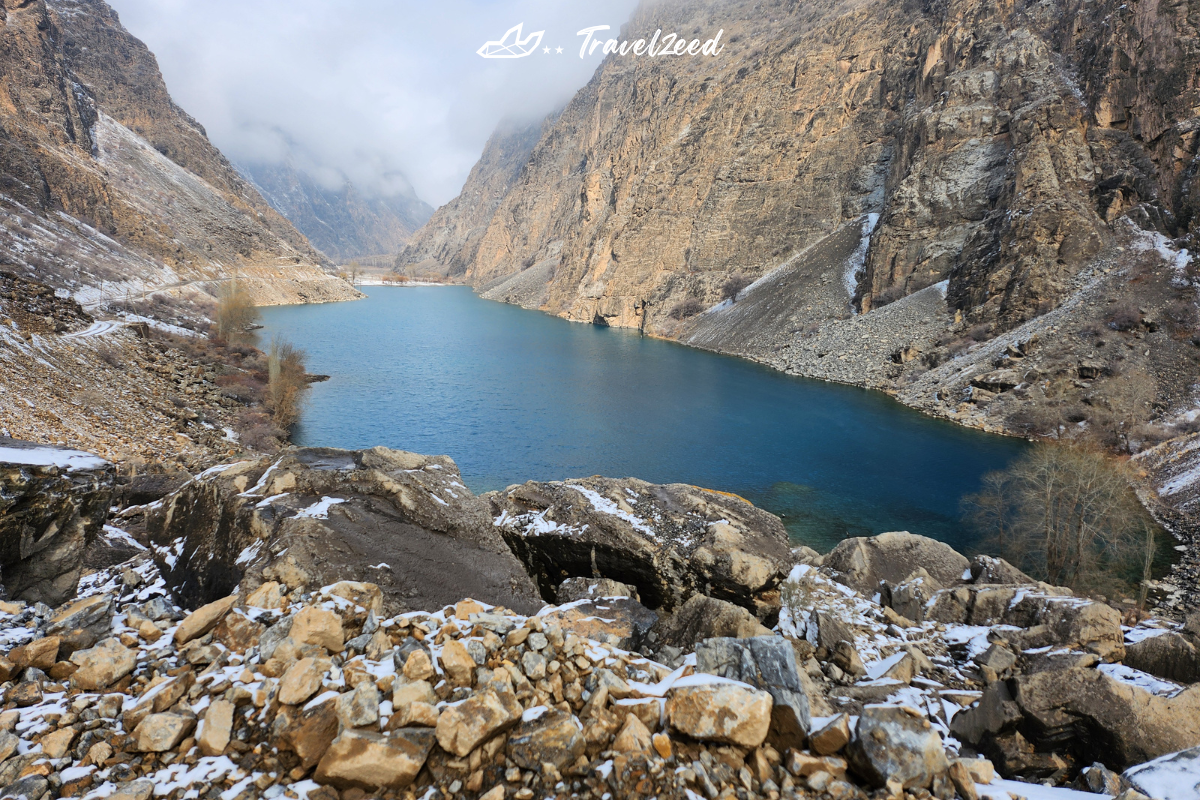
671,542
1082,712
311,517
703,618
864,562
768,663
1168,655
53,502
897,743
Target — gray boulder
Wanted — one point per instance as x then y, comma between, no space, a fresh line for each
765,662
1167,655
671,541
311,517
863,563
897,743
53,502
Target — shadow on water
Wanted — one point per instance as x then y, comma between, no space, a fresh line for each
514,395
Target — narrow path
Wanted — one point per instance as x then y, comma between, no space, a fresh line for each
97,328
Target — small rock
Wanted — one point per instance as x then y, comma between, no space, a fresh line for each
830,739
721,712
158,733
418,667
268,596
203,619
58,743
319,627
633,736
457,663
897,742
554,738
301,681
461,728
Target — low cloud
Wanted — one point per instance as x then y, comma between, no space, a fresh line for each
383,93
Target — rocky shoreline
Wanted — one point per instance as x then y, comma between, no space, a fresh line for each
361,625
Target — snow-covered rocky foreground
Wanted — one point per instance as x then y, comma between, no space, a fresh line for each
301,625
275,694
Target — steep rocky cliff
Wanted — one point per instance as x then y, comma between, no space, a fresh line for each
447,243
343,223
107,183
873,192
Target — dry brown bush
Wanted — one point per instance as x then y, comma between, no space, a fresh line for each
287,382
236,314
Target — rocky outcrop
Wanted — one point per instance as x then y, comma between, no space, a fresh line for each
311,517
127,189
671,542
53,503
864,563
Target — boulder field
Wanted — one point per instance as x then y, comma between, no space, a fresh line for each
347,624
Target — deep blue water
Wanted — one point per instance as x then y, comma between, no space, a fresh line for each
515,395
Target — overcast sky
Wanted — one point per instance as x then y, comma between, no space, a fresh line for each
376,90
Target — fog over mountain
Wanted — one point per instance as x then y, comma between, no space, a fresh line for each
388,95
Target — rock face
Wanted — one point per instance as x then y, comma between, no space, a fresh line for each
90,130
902,182
311,517
447,243
911,113
53,502
671,542
343,223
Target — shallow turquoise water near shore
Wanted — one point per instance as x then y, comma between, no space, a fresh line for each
514,395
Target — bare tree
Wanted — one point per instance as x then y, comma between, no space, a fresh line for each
1068,514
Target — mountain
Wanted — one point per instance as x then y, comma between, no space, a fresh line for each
108,188
982,209
446,245
342,223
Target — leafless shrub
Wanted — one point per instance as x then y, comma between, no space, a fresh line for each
688,308
734,286
981,332
1123,317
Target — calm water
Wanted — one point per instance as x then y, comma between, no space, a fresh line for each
515,395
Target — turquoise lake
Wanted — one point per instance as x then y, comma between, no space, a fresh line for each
514,395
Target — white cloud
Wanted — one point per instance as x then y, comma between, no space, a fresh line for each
374,90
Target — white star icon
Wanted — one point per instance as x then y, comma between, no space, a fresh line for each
546,50
558,50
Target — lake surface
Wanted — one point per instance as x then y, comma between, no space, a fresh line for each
514,395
